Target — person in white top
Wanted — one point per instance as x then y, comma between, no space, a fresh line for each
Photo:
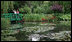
14,12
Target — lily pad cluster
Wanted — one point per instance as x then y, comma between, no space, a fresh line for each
62,36
38,29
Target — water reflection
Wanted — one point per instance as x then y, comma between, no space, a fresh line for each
41,28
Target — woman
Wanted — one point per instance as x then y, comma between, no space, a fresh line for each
14,11
17,12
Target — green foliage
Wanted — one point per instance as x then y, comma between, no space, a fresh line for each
21,10
47,10
5,5
38,7
44,8
67,16
33,17
38,10
25,10
66,5
5,23
64,17
40,17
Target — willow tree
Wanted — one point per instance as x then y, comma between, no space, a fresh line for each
11,4
5,5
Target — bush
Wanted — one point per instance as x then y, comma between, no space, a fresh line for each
66,17
39,17
62,16
43,9
34,17
5,23
66,6
46,8
38,10
48,11
57,8
21,10
26,9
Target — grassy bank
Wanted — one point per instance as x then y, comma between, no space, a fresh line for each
36,17
46,17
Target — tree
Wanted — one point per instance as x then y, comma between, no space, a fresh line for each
5,5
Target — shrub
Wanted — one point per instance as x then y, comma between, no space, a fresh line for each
66,5
21,10
56,8
66,17
25,10
38,10
46,9
5,23
62,16
34,17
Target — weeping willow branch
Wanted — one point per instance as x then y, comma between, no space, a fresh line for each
5,5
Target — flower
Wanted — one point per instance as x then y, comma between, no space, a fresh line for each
56,7
43,19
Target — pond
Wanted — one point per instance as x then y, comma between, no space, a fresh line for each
41,28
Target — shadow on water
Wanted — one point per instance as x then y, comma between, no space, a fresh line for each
66,26
47,39
62,28
21,36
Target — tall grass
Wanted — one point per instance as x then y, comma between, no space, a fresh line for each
49,17
34,17
5,23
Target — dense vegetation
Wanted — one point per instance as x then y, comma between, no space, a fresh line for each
37,7
5,23
36,11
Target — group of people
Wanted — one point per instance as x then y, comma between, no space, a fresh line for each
16,12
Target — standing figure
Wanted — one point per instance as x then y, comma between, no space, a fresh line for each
18,16
14,11
17,12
